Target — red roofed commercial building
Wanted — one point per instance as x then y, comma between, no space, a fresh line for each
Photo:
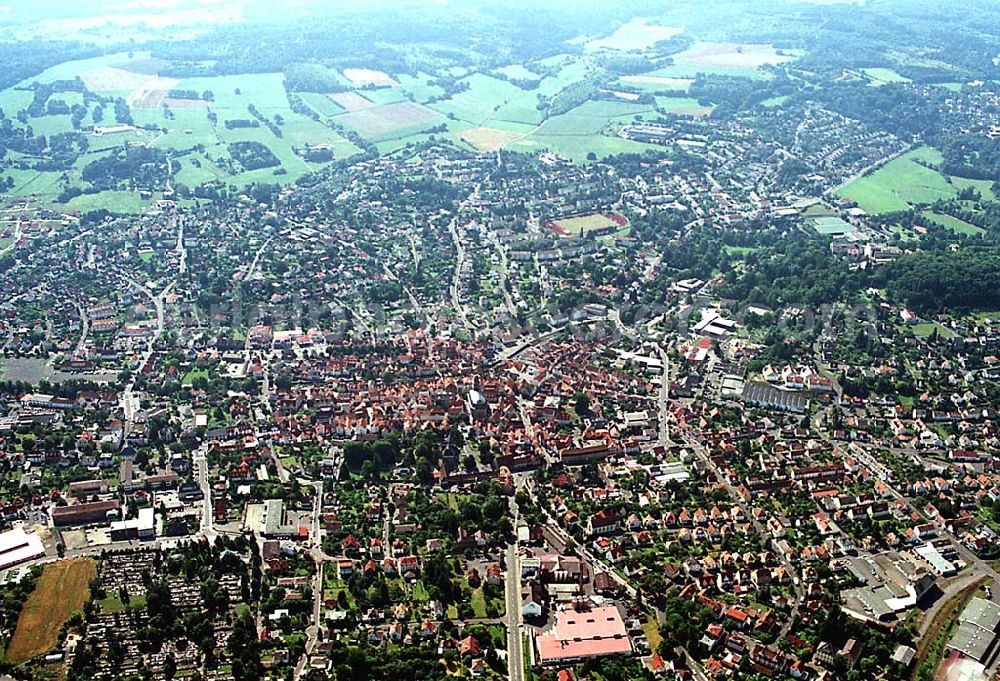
578,635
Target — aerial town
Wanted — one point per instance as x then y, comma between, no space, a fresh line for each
691,413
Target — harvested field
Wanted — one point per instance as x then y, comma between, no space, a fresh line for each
635,35
382,120
186,103
362,77
731,55
627,96
109,78
62,588
151,66
489,139
669,83
350,101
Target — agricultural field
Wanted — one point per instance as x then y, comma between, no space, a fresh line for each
321,104
389,119
587,224
488,139
683,106
363,77
725,59
351,101
637,34
901,183
196,130
580,148
488,97
592,117
63,588
517,72
648,81
419,88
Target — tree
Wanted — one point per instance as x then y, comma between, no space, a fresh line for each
244,649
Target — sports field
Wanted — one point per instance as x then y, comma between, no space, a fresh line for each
833,226
63,587
586,224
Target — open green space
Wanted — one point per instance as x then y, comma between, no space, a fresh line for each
577,148
592,117
882,76
926,329
193,131
194,374
952,223
902,182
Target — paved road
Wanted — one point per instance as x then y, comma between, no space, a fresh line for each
208,512
515,644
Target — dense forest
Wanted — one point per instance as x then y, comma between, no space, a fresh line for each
932,282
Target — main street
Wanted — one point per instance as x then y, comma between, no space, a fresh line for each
515,626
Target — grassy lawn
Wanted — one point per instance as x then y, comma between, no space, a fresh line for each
901,183
478,603
774,101
952,223
190,376
63,588
652,632
114,603
739,250
419,592
882,76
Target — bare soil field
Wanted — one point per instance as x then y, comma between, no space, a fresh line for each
362,77
488,139
382,120
678,83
